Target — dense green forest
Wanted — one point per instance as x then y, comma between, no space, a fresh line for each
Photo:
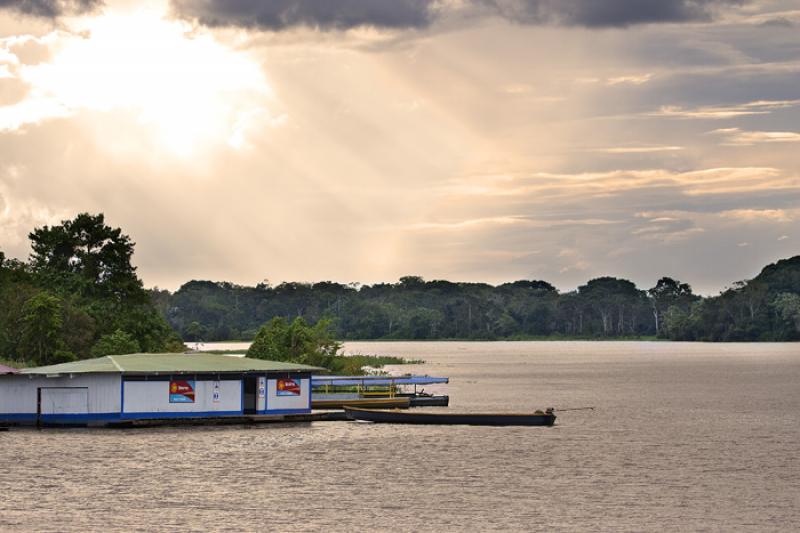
78,296
766,308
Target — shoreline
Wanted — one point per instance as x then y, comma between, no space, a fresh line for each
531,339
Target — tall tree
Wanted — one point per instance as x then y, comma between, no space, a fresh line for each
788,307
41,330
611,298
78,286
667,293
278,340
98,255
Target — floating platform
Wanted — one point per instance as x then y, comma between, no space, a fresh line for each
325,416
244,420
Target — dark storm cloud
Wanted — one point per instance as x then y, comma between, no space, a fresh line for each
323,14
607,13
50,8
344,14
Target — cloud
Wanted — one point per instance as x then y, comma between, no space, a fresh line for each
772,19
276,15
465,151
192,91
608,13
630,80
753,215
637,149
738,137
553,186
50,8
681,219
759,107
518,220
322,14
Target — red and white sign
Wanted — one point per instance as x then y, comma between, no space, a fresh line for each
287,387
181,391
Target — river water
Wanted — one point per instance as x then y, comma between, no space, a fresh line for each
685,437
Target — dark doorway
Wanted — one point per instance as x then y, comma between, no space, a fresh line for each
250,394
39,407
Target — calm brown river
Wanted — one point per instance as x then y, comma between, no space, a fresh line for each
685,437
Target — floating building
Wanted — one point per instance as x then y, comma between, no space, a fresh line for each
116,389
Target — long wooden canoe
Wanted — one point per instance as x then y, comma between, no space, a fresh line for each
374,403
472,419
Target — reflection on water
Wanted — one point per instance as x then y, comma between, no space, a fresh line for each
685,436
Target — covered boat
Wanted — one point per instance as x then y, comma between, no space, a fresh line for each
537,418
373,403
331,392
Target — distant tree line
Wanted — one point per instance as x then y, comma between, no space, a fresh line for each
766,308
78,296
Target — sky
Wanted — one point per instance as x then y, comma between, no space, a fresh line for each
364,140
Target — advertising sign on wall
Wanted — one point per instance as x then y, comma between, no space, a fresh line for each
215,395
181,391
287,387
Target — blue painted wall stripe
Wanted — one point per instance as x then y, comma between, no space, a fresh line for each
287,412
179,414
130,416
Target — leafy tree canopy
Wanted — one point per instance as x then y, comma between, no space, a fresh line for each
78,295
96,253
117,343
296,342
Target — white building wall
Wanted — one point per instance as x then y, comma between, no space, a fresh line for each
104,396
153,397
279,403
65,401
18,392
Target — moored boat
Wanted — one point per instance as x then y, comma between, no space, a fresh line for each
335,392
429,400
537,418
373,403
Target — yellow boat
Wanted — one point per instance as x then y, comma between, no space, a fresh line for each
369,403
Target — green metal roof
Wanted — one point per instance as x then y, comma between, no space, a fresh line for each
169,363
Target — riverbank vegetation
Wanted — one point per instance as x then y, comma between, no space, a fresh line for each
78,296
766,308
299,342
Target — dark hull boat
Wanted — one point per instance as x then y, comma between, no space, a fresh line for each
430,401
407,417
